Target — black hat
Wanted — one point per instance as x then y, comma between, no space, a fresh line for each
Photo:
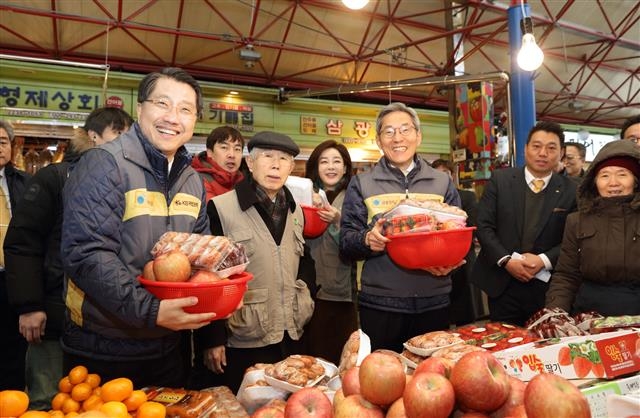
273,140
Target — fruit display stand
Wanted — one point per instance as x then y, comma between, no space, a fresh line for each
606,355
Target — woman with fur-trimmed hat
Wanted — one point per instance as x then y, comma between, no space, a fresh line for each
599,264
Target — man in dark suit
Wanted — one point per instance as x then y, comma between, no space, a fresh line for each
13,346
522,212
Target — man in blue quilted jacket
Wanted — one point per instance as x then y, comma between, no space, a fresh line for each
119,199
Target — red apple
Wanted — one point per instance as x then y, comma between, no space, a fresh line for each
356,406
382,378
515,398
338,397
173,266
480,382
517,412
309,402
268,411
396,410
428,395
351,381
549,395
147,271
205,276
438,365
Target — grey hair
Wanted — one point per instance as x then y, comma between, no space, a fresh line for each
6,125
397,107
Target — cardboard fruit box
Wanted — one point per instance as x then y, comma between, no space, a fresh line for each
605,355
599,392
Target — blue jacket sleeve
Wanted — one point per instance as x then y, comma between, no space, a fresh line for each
353,224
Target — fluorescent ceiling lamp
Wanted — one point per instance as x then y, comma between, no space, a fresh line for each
355,4
530,56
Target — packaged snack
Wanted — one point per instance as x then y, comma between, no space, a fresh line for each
413,216
181,403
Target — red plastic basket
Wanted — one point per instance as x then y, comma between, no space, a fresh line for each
220,297
417,250
313,225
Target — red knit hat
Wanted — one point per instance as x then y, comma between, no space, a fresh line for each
629,163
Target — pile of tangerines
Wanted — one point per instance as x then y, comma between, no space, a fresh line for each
80,395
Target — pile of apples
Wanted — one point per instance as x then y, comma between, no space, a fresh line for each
476,386
174,266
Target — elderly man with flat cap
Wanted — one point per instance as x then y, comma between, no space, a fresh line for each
261,214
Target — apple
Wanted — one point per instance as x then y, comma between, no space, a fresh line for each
309,402
428,395
268,411
351,381
515,398
173,266
338,397
147,271
356,406
438,365
480,382
396,410
382,378
516,412
549,395
205,276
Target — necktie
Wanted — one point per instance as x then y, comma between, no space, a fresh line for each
5,217
537,185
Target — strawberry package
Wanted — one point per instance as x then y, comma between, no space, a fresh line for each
415,216
205,252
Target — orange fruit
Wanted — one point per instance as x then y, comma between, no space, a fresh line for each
56,414
70,405
151,409
93,414
81,391
114,409
137,398
92,402
13,403
65,385
58,400
34,414
117,389
72,415
78,374
98,391
93,380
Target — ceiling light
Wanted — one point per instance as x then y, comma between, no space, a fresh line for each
233,93
355,4
530,56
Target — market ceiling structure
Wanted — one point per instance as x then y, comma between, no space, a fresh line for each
590,76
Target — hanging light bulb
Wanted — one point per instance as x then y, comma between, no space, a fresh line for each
530,56
355,4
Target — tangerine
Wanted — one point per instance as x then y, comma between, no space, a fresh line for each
72,415
78,374
114,409
34,414
58,400
13,402
151,409
93,414
65,385
117,389
137,398
98,391
93,379
56,414
70,405
81,391
92,402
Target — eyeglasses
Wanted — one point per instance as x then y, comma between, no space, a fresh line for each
633,139
404,131
276,157
166,105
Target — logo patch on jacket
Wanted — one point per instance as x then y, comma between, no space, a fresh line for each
142,202
185,204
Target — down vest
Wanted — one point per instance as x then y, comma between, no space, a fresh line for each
117,202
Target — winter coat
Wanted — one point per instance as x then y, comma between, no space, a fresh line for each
216,180
601,243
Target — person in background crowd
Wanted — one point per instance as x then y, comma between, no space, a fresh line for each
32,257
219,165
119,199
461,311
260,213
599,264
13,346
522,212
630,130
574,157
335,315
395,304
